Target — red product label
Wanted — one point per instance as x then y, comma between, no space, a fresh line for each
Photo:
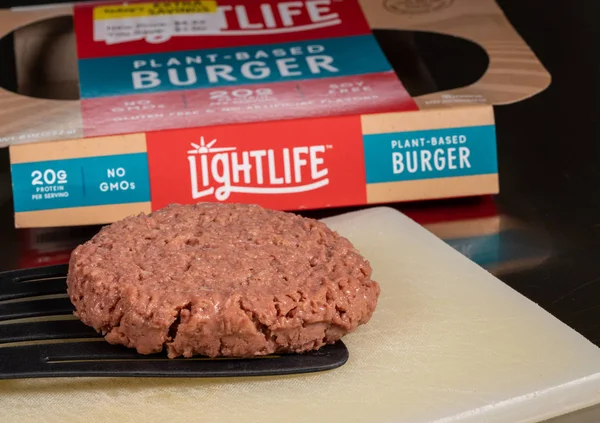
233,23
304,164
360,94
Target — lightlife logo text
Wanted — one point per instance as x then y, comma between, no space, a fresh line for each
155,26
221,171
318,12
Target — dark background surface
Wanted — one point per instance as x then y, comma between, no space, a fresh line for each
549,168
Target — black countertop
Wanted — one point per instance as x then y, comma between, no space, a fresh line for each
548,212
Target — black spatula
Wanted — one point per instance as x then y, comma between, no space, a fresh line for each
39,337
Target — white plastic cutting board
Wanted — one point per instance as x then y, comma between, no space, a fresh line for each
448,343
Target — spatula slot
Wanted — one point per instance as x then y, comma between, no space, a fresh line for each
44,330
36,274
35,308
34,298
17,290
155,359
53,278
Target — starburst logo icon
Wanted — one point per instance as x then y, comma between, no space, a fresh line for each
204,148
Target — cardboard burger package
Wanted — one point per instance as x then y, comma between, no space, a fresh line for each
122,108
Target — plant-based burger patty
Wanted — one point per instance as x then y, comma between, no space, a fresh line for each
221,280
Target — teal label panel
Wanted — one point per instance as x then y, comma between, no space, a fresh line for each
437,153
345,56
90,181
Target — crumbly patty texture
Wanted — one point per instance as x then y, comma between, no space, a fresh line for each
221,280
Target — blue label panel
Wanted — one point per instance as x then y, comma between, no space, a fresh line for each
437,153
150,73
90,181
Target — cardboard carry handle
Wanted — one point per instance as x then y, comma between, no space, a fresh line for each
514,72
19,111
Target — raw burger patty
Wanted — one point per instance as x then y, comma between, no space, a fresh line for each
221,280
